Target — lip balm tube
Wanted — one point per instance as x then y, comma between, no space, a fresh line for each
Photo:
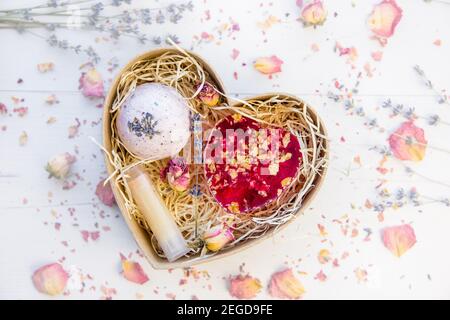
155,212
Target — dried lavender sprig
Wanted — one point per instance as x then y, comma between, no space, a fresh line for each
441,98
122,24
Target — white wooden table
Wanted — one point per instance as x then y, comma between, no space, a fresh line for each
31,204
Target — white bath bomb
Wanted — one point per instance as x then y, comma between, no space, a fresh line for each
153,122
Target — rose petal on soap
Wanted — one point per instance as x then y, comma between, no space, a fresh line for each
91,84
50,279
314,14
244,287
285,285
408,142
132,271
398,239
384,18
104,193
268,65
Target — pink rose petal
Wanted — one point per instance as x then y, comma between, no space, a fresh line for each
384,18
50,279
45,67
314,14
104,193
91,84
244,287
235,53
132,271
377,55
408,142
268,65
3,108
399,239
285,285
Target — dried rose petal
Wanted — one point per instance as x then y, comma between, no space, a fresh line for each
285,285
408,142
399,239
45,67
384,18
324,256
91,84
217,237
3,108
361,275
248,166
50,279
244,287
105,193
209,95
177,174
268,65
59,166
314,14
132,271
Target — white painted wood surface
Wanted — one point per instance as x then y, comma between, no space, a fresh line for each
30,203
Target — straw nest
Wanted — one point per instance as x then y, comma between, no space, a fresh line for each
196,212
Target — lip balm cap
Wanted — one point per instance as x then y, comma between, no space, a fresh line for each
174,247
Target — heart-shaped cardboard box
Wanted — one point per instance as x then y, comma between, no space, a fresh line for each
141,236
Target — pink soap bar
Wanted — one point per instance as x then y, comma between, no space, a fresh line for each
249,165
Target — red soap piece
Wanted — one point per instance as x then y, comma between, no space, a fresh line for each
247,166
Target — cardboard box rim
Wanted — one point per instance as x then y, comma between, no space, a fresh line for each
140,235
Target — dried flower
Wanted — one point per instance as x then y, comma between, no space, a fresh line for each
244,287
218,236
91,84
209,95
132,271
59,166
50,279
104,193
177,174
398,239
269,65
408,142
285,285
384,18
45,67
314,14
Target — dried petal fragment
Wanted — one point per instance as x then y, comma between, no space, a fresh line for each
91,84
45,67
217,237
384,18
132,271
50,279
314,14
268,65
104,193
244,287
408,142
399,239
285,285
